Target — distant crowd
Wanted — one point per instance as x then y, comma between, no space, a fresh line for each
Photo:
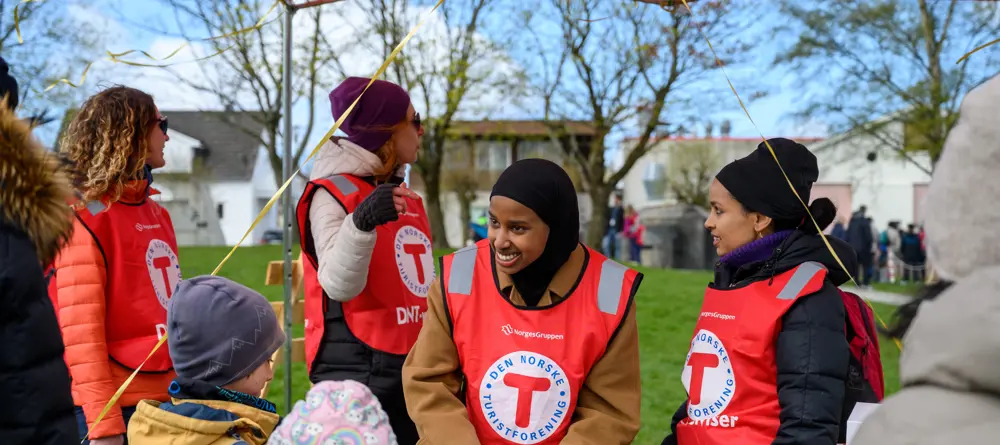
892,255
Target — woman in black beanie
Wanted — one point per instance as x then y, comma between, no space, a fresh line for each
769,358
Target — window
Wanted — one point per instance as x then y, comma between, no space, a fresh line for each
540,149
456,154
218,210
492,155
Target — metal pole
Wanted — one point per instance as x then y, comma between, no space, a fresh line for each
286,200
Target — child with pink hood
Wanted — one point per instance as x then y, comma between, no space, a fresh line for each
336,413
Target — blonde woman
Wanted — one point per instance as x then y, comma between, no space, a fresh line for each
114,278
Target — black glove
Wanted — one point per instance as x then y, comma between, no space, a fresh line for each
376,209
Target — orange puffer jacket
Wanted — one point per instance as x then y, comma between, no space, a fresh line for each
79,287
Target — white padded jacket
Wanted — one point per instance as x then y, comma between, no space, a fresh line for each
342,250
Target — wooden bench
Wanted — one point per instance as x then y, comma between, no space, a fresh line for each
276,277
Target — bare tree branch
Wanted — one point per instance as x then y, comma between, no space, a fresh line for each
636,63
890,58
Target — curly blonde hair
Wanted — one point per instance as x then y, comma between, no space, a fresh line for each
106,141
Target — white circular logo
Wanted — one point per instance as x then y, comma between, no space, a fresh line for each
708,376
525,397
164,270
414,259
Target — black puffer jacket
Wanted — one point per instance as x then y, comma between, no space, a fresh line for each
37,404
812,350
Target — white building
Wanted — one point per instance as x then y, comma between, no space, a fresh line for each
890,186
218,177
481,150
859,169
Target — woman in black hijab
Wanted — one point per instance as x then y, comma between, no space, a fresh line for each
770,359
530,336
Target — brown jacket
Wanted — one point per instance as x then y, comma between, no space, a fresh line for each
607,410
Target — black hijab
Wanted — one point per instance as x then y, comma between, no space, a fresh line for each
545,188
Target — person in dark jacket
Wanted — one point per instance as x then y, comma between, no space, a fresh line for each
786,383
35,222
614,227
839,231
859,236
913,255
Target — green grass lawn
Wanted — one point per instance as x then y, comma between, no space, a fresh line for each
669,302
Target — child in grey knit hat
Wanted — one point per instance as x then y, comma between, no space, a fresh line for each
221,339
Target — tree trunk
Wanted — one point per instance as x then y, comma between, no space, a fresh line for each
598,224
465,211
432,186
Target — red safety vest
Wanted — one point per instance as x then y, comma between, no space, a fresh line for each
524,367
140,252
730,372
388,313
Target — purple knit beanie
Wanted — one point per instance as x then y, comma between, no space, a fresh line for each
383,105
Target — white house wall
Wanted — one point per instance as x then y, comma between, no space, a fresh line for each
178,153
633,186
263,175
886,186
237,202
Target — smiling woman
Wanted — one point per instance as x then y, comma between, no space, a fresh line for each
528,310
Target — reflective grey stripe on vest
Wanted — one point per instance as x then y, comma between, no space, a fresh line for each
609,288
95,207
343,184
460,276
804,273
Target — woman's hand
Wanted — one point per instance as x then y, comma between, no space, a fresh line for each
399,196
383,205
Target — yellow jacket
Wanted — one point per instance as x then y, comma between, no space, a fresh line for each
199,422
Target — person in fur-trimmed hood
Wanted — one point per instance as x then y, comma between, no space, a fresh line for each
35,221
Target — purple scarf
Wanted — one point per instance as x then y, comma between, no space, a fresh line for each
754,251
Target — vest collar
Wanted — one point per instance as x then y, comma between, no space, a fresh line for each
562,282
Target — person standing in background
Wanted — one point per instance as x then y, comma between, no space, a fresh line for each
913,256
366,243
633,233
616,223
839,231
859,236
874,270
35,222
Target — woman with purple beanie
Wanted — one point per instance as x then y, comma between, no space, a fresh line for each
366,245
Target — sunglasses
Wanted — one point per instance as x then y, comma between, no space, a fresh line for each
416,120
163,124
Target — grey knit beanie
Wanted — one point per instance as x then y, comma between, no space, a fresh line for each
960,211
219,330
